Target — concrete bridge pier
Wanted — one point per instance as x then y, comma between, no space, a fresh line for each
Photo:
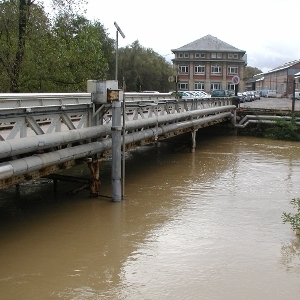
193,144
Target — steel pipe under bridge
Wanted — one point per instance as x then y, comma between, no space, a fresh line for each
40,137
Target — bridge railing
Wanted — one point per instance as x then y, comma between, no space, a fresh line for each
23,115
40,134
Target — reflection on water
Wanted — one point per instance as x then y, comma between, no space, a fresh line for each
291,255
203,225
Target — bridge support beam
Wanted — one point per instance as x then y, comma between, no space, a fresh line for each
94,166
193,144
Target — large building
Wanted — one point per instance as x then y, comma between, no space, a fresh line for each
281,79
208,64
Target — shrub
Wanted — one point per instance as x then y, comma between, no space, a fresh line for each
284,130
293,219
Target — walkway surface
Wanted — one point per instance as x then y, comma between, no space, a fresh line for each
272,103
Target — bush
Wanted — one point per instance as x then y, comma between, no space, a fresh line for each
293,219
284,130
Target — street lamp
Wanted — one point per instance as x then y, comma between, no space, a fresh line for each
123,36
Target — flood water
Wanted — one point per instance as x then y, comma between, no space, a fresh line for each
203,225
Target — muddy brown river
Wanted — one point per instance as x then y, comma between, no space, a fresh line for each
203,225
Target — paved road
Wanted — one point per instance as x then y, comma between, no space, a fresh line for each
272,103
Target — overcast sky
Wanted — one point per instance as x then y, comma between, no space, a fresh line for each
268,30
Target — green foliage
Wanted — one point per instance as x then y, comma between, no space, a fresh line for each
293,218
250,72
283,130
152,69
138,84
60,51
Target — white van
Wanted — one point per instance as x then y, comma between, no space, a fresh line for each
268,93
271,94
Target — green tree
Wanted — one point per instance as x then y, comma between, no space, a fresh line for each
57,52
138,84
81,46
14,19
152,69
250,72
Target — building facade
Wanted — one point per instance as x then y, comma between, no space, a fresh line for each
281,79
209,64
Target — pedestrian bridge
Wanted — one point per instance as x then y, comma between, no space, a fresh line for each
42,134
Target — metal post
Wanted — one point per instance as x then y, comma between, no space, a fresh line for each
123,35
123,146
94,166
193,146
116,150
116,77
294,98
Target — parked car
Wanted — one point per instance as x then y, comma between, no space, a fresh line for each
219,93
197,94
256,95
203,94
247,97
185,95
241,97
251,95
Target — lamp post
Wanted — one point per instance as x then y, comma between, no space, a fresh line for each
175,73
123,36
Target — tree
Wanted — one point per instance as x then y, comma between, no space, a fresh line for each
138,84
41,52
60,51
14,19
152,69
80,46
250,72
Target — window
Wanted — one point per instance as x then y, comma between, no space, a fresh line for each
233,56
199,69
215,69
215,86
180,54
183,86
216,55
199,55
230,86
183,69
232,70
186,55
199,86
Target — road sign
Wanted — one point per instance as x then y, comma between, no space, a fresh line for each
235,79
